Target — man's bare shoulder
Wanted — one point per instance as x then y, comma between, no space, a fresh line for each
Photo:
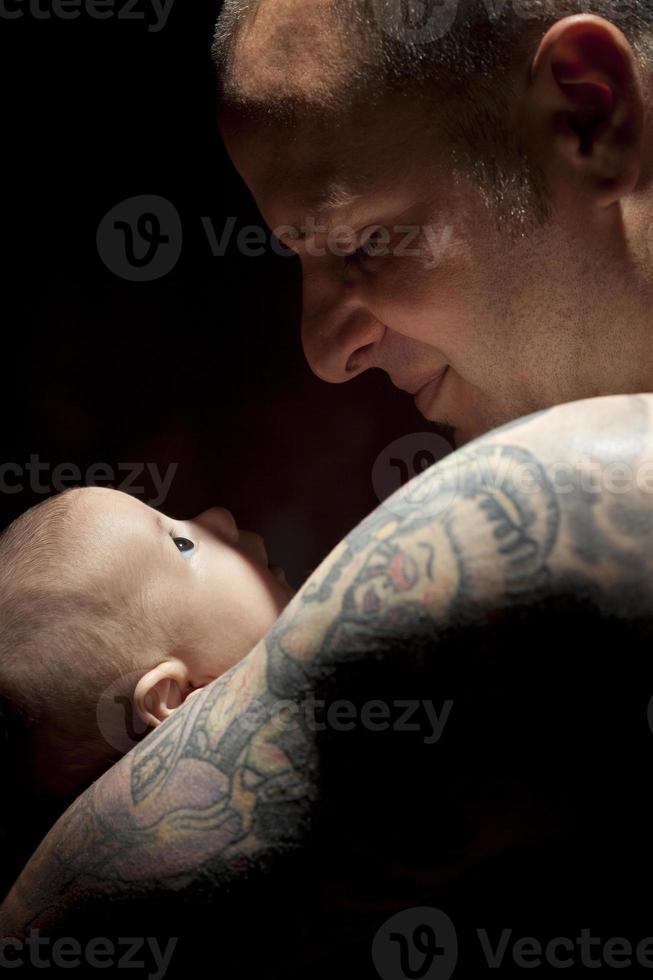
584,468
612,423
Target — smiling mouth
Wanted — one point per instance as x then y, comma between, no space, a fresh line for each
428,392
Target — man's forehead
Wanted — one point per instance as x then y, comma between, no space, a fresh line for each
291,184
326,171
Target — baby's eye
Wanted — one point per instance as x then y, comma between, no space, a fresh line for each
185,546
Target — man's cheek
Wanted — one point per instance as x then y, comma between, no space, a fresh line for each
413,301
401,286
435,243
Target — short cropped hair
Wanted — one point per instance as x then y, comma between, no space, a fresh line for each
416,42
462,56
60,648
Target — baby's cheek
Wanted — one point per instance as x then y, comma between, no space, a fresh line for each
260,601
233,613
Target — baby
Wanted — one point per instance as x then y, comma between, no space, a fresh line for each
100,592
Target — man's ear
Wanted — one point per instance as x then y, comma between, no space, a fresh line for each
161,691
585,109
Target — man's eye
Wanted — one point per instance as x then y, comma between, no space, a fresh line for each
375,245
185,546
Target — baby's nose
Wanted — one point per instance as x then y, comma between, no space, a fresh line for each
220,521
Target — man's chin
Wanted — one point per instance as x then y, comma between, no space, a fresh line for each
445,431
462,413
463,435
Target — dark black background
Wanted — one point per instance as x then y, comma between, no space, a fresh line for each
202,367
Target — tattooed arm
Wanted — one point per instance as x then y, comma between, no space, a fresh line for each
394,729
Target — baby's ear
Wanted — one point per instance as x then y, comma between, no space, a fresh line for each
161,691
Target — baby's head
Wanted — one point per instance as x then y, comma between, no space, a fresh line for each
98,590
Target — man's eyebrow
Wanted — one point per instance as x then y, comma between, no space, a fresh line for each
334,198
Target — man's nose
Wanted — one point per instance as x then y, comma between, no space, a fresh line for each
219,521
339,338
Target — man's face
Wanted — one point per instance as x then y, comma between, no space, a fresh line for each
475,322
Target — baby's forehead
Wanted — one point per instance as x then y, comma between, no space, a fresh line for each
102,503
96,516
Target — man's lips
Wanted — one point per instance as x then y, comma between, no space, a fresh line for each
414,387
427,393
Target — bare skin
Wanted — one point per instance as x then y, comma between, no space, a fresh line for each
453,588
522,314
237,783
